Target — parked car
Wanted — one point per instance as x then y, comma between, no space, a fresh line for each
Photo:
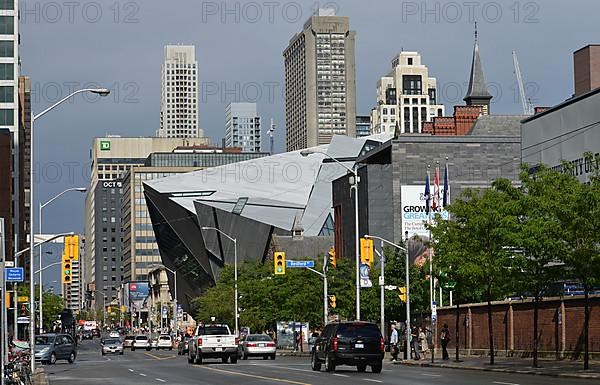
184,346
349,343
112,345
128,341
52,347
141,342
164,341
257,345
114,334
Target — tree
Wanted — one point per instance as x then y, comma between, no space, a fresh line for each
536,240
481,230
580,218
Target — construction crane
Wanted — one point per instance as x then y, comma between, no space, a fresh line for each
271,131
527,108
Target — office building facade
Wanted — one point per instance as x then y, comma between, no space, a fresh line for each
406,97
242,127
320,89
179,93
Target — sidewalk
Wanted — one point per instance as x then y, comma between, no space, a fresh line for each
554,368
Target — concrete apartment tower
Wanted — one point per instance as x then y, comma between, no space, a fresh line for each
320,89
242,127
406,97
179,93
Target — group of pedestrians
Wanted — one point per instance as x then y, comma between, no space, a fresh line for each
419,341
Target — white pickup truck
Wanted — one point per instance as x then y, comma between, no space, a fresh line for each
213,341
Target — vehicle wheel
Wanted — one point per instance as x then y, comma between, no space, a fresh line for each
315,365
265,357
224,359
376,367
361,368
121,353
233,358
273,356
148,349
329,364
171,348
52,359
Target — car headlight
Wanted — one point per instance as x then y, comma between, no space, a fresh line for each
44,350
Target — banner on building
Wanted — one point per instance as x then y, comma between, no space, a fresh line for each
136,296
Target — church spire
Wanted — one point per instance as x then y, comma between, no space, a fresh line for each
478,94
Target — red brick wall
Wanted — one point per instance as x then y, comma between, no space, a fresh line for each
550,328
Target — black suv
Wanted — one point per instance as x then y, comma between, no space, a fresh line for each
349,343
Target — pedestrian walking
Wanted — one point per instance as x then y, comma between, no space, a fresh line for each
394,343
415,342
424,345
445,339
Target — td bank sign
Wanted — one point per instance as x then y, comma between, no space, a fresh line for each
105,145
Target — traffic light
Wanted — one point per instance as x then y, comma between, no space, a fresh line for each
279,260
332,301
332,258
66,269
366,251
402,294
72,247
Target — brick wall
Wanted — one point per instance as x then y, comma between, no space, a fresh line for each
560,327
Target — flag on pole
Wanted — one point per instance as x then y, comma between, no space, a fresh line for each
427,194
446,200
436,189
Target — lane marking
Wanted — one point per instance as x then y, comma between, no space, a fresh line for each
372,380
274,379
160,379
340,375
432,375
159,357
131,370
503,383
142,374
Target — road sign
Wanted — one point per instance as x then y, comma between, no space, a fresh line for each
391,287
292,264
381,281
434,311
14,274
449,285
9,263
23,298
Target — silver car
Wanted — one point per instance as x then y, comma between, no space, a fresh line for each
112,345
257,345
141,342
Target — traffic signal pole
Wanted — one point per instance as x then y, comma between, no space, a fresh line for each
325,289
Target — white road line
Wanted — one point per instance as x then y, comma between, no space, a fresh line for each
340,375
431,375
160,379
131,370
503,383
372,380
142,374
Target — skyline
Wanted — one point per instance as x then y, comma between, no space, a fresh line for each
134,51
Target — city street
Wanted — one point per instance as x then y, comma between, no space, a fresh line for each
142,367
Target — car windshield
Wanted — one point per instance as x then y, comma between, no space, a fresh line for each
44,340
214,330
358,330
141,338
130,338
164,338
111,342
259,337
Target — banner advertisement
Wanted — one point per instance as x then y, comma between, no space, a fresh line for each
136,298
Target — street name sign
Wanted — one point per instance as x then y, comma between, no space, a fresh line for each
14,274
292,264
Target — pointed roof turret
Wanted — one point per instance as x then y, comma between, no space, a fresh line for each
478,94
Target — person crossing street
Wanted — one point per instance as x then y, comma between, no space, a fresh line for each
394,343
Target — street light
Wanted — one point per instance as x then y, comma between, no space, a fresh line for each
80,189
174,295
98,91
354,183
103,307
235,273
407,286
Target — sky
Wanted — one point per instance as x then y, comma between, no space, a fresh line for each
118,44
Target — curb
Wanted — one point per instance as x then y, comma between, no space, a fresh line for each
293,354
502,370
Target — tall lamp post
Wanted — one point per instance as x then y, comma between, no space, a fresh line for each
354,182
235,274
98,91
80,189
407,285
